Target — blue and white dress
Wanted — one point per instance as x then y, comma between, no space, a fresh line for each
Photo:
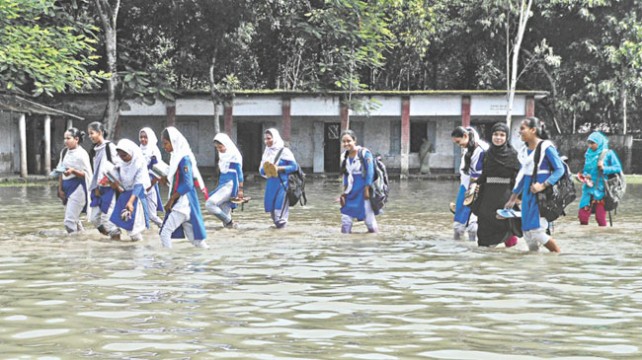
152,155
185,218
103,198
359,174
549,169
134,179
75,188
230,165
275,200
464,220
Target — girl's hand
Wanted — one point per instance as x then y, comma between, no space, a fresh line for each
69,171
366,193
600,164
130,207
168,206
509,204
239,194
537,187
342,200
61,194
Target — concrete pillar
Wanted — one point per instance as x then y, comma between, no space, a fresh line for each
22,129
530,106
345,117
228,120
318,165
405,136
47,168
170,114
465,111
70,124
286,127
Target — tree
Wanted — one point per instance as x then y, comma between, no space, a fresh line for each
354,36
108,15
43,50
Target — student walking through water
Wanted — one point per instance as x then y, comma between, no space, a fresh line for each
183,216
230,181
103,198
279,162
357,166
470,170
549,169
74,182
152,154
599,163
130,212
500,166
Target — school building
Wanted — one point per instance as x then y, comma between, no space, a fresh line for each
392,124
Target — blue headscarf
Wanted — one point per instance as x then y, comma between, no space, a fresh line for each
591,156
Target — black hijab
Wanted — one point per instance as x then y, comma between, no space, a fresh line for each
501,159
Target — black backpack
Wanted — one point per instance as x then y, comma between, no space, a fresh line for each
296,184
554,199
379,189
614,187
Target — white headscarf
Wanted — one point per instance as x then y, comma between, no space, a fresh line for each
134,171
269,154
231,154
181,149
151,149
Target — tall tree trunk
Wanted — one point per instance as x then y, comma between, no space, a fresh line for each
215,95
624,119
524,14
108,15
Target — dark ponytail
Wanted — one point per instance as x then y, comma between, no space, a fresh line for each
539,126
78,134
459,132
98,127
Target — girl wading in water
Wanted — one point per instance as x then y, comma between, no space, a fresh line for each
277,162
599,163
152,154
130,212
74,181
103,198
230,181
470,170
183,216
495,184
549,170
357,166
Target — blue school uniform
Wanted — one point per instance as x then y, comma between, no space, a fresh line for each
354,200
159,201
551,169
184,184
70,185
276,187
233,174
121,203
462,212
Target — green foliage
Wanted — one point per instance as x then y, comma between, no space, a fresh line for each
43,50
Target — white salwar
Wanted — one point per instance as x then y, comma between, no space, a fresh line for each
77,159
149,151
131,173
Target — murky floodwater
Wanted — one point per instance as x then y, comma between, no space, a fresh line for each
308,292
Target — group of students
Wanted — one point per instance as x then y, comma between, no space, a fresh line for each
117,185
499,177
118,189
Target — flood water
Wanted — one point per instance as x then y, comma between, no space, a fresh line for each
309,292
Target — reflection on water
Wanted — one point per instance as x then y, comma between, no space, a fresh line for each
308,292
